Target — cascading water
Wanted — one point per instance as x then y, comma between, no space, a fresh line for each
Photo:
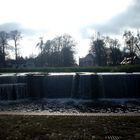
95,86
121,85
101,86
58,86
35,86
49,86
13,87
78,86
85,87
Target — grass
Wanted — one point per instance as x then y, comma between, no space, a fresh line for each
68,127
124,68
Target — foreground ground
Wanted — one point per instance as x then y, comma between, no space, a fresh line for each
34,127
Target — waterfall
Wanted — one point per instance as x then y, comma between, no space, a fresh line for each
35,85
75,86
13,87
95,86
13,91
101,86
59,86
85,85
120,85
78,86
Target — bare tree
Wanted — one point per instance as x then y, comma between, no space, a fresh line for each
40,45
132,42
137,42
3,45
114,52
15,35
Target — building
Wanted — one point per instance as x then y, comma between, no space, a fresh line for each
88,60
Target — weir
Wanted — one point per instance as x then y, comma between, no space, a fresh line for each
70,85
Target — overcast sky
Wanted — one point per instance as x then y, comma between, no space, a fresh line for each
79,18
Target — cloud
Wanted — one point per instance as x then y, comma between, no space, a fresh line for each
16,26
130,18
9,26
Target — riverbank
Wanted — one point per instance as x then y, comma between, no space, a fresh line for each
71,106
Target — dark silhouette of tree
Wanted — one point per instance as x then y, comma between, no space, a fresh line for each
1,57
68,50
57,52
114,52
47,52
132,44
3,46
67,57
137,42
56,47
47,47
129,42
40,58
15,35
98,50
40,44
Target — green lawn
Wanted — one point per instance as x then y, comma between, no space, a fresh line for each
26,127
125,68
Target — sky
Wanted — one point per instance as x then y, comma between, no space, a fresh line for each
79,18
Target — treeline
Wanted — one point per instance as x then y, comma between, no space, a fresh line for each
109,51
60,51
57,52
5,37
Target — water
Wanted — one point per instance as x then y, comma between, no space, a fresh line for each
70,85
13,91
121,86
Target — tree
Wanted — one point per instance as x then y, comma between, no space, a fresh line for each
67,57
132,44
47,47
56,47
114,52
57,52
15,35
40,59
98,50
68,50
40,44
47,52
3,45
137,43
